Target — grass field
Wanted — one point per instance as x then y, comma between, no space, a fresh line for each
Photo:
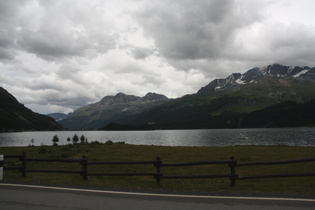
125,152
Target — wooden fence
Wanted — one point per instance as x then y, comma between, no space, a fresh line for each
158,164
277,163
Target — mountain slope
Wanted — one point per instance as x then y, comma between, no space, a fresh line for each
222,110
116,108
14,116
288,114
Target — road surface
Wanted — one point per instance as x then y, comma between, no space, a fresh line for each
29,197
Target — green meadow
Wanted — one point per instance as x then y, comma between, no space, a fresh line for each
124,152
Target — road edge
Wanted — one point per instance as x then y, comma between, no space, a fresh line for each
157,194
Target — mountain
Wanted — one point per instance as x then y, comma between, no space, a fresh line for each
57,116
223,103
276,70
111,109
14,116
287,114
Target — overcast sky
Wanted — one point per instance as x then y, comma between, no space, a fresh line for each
58,55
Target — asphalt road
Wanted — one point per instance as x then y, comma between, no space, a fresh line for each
27,197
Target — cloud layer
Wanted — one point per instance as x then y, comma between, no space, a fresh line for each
56,56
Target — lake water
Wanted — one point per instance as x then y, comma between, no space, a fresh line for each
208,137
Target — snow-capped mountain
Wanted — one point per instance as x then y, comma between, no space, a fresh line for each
252,75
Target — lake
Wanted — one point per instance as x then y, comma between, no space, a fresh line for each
207,137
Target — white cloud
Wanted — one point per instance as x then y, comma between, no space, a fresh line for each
62,54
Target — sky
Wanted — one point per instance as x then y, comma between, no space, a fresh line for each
59,55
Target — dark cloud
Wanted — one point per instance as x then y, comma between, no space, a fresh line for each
190,30
141,53
9,8
54,43
294,43
49,45
8,24
49,29
6,43
6,54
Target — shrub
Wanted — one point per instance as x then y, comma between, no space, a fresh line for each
75,139
55,140
109,142
83,139
42,150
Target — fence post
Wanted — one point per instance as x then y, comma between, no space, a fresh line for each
23,159
1,167
233,174
158,170
84,167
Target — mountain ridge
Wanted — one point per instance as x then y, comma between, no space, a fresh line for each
14,116
221,100
237,79
122,98
111,108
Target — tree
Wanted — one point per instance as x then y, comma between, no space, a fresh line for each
32,142
68,140
82,139
75,138
55,140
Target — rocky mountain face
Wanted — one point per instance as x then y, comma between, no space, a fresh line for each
14,116
253,75
111,109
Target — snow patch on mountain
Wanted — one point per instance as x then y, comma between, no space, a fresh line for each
300,73
252,76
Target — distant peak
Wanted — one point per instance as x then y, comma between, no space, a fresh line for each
120,94
154,96
151,93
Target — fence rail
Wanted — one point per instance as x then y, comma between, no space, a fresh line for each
158,164
198,176
122,162
198,163
54,171
277,176
278,162
281,162
54,160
